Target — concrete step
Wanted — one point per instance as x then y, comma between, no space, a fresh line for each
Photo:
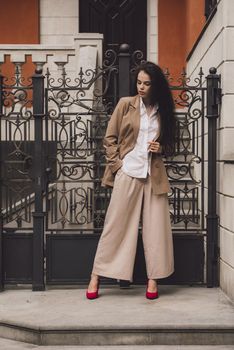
6,344
119,336
63,317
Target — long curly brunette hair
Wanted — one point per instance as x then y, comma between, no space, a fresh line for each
161,95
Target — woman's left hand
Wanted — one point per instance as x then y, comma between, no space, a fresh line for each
154,146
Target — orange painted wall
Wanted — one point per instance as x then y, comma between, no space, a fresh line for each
179,24
19,22
195,21
8,68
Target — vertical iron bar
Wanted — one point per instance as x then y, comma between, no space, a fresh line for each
202,161
38,215
124,90
1,218
124,70
213,81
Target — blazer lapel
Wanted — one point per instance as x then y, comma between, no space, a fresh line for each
135,115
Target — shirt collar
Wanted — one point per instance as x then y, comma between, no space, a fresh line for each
143,109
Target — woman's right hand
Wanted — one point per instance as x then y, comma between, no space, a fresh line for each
154,147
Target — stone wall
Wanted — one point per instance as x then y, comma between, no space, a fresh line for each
58,21
216,49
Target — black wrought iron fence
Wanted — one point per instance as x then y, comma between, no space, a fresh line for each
52,157
76,117
17,143
186,168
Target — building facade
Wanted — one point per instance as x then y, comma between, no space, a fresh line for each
214,48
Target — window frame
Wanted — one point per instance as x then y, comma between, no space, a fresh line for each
210,8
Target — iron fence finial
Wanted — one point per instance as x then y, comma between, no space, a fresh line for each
201,72
38,71
212,70
124,48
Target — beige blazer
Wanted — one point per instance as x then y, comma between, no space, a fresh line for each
120,138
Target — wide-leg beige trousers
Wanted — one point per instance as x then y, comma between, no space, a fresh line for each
116,251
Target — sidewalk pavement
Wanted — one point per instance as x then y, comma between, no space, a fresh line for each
6,344
177,307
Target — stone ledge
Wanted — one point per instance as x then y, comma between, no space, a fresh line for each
182,315
119,336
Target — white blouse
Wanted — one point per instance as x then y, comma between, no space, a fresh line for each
137,162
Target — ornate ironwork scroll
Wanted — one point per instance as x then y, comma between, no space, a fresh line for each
16,130
186,168
77,113
74,123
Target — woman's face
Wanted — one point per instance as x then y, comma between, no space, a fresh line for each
144,85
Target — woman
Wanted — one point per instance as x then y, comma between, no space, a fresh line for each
140,130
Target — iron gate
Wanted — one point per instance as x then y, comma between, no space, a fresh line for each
52,161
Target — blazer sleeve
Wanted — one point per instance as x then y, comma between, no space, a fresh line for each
110,141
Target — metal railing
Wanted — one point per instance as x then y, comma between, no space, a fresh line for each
52,157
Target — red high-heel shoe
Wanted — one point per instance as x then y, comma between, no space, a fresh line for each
151,295
92,295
